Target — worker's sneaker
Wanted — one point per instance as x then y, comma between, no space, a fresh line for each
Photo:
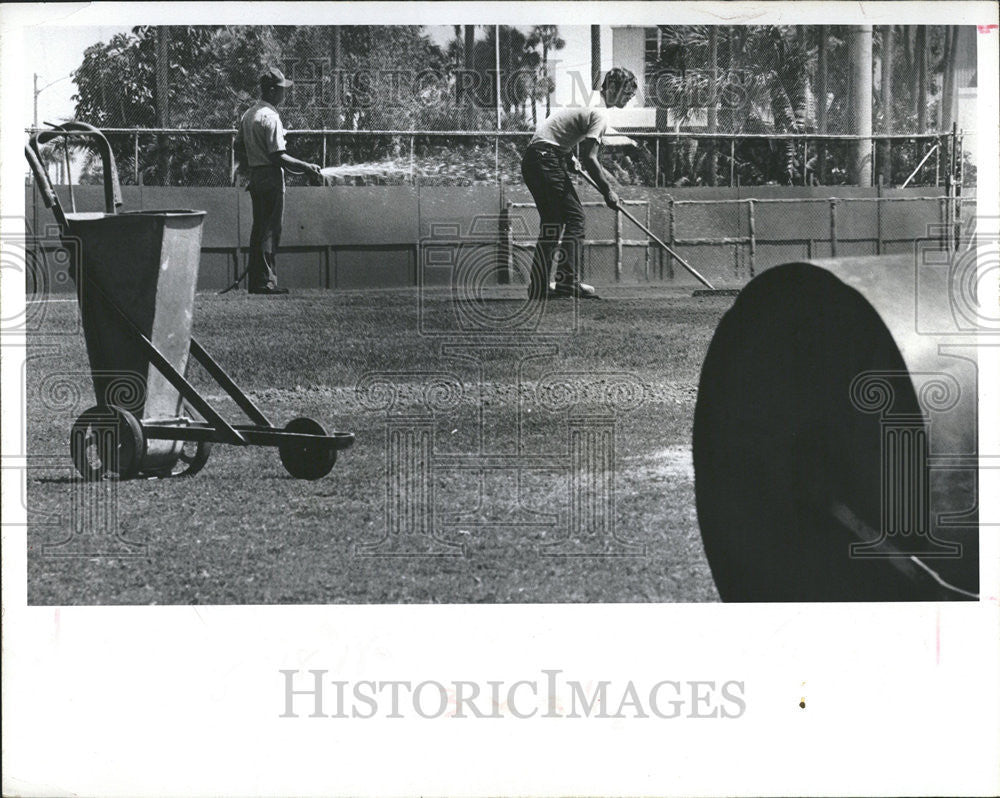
268,291
579,290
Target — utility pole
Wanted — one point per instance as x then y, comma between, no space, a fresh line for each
163,98
496,56
713,102
595,56
468,53
34,115
824,33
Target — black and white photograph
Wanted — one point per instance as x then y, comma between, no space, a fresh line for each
424,367
561,314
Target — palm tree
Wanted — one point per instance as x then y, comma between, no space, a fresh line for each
766,73
548,37
518,65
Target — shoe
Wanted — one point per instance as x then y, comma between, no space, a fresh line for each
267,291
578,290
549,292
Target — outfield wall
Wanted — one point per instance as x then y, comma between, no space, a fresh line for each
364,237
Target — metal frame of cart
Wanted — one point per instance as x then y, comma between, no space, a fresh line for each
109,440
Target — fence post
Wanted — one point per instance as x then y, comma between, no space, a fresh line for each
69,174
135,153
732,162
648,227
618,247
944,215
505,248
956,218
324,150
413,174
937,164
670,232
833,227
961,159
232,159
752,229
874,170
959,187
952,189
878,219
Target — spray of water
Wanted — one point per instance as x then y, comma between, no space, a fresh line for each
454,166
381,168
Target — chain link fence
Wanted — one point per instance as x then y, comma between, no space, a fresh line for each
206,158
455,105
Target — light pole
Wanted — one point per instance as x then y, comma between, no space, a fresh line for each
34,118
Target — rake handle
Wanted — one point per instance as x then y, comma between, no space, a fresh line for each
694,272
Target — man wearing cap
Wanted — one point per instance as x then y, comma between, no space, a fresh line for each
260,146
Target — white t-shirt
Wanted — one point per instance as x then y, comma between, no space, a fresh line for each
261,133
567,127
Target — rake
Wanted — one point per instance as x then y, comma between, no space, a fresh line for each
701,279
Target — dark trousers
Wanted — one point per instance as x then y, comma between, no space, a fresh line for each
547,177
267,195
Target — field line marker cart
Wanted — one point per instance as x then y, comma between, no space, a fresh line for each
135,274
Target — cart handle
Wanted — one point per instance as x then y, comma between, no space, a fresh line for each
112,189
49,196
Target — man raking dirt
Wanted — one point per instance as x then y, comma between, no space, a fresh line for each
547,173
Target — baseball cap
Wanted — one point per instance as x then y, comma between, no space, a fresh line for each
274,77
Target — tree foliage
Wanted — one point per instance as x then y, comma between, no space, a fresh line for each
766,82
547,37
763,80
359,77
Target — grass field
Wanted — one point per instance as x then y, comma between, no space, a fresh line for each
244,532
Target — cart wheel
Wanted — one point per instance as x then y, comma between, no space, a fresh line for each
306,460
193,456
107,441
